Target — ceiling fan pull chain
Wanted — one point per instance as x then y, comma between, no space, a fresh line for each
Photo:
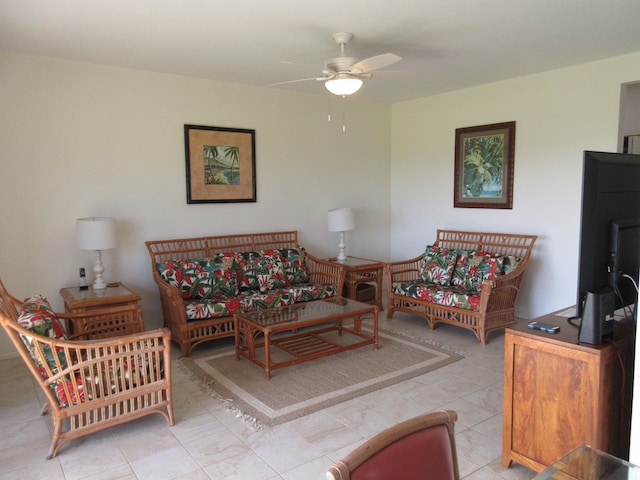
344,115
328,107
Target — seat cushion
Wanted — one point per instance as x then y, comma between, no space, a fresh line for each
250,300
449,296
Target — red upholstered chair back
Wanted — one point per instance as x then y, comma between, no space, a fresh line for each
421,448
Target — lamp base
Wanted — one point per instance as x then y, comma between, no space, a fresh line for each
98,269
341,255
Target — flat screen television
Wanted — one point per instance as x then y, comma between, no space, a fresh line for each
624,260
610,197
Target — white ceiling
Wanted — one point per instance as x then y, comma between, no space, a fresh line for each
445,44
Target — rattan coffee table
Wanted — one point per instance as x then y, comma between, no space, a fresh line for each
303,332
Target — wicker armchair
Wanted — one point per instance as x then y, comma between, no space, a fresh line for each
90,385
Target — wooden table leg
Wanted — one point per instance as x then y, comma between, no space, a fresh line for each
375,329
237,336
267,354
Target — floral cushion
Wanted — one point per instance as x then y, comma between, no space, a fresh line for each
37,316
473,268
450,296
438,265
459,276
261,272
511,262
202,278
482,266
295,267
251,300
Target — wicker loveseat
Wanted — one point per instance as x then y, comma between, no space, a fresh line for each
204,281
467,279
98,380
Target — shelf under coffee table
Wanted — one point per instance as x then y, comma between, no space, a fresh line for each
304,331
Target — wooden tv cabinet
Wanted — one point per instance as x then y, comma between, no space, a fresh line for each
559,394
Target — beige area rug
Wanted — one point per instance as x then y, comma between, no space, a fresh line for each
301,389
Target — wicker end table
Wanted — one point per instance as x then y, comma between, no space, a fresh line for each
363,279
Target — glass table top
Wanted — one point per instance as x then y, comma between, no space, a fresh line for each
336,307
587,463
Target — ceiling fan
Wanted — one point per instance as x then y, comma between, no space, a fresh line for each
343,75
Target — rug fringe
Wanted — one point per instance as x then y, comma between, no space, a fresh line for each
227,403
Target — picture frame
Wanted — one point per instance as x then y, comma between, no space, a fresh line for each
484,157
220,164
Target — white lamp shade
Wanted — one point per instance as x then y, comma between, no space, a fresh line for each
341,220
343,86
96,233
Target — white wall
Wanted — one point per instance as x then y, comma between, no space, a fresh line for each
87,140
558,115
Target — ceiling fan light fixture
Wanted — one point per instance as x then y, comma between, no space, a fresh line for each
343,86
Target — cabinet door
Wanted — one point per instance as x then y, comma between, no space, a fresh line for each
551,400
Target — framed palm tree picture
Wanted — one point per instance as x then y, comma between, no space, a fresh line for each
220,163
484,166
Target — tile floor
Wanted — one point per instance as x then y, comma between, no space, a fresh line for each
208,442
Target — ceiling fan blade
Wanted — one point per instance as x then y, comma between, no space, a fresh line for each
295,81
374,63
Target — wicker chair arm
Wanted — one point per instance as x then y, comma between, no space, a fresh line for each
98,369
500,292
172,301
326,272
403,270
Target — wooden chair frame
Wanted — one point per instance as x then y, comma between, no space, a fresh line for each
106,381
497,296
343,469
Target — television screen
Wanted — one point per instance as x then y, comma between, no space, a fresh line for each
625,258
610,192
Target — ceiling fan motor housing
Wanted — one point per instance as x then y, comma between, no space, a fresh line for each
340,64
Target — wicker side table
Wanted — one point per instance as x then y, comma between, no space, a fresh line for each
77,300
363,279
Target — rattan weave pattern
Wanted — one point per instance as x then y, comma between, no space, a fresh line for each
497,298
189,334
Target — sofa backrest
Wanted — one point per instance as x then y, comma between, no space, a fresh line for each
203,247
504,244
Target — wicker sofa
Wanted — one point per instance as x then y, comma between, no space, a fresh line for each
467,279
203,281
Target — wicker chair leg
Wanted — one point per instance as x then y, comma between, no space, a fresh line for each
56,438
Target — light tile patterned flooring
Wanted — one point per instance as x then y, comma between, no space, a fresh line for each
208,442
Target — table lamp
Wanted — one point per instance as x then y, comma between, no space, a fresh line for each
96,233
341,220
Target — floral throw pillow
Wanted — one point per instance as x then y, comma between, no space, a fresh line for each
438,265
482,266
262,271
37,315
295,266
202,278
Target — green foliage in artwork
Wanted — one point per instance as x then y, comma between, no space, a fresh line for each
221,165
483,163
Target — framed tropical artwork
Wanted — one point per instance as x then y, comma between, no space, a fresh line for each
220,164
484,166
